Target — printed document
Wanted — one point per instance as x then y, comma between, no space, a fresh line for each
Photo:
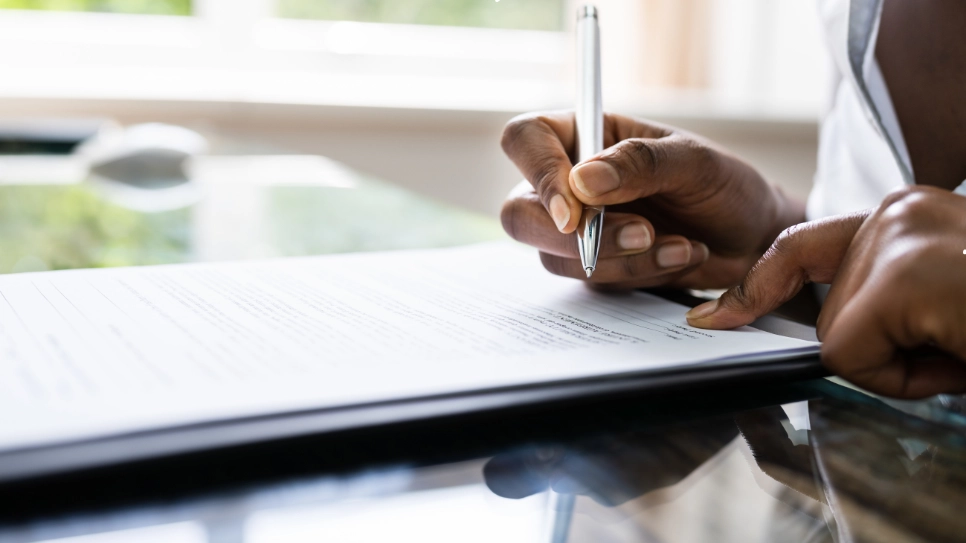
91,353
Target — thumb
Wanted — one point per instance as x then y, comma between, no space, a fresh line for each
640,167
807,252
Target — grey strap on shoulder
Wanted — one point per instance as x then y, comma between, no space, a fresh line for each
864,18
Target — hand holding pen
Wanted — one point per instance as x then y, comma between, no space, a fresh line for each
682,211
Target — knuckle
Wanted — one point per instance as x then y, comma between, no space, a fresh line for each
700,154
544,181
541,164
515,130
787,241
631,267
740,296
910,205
764,287
641,157
520,128
902,194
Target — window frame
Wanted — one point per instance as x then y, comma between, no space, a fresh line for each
237,50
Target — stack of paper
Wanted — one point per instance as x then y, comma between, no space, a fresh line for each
91,353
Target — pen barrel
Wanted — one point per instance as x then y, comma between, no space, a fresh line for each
590,127
590,111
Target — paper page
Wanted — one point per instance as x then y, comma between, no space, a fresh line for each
90,353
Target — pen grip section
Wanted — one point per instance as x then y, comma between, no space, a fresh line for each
589,232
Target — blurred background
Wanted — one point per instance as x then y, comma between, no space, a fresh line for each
413,92
320,126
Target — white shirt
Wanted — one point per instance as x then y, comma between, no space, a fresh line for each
862,155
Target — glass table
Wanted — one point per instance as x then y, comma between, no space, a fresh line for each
810,461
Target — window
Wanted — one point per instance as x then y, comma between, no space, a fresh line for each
146,7
512,14
742,58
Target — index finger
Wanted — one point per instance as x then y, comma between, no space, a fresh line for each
540,145
807,252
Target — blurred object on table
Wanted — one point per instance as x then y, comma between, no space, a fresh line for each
254,207
142,167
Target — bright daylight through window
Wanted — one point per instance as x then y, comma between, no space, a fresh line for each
148,7
528,15
525,15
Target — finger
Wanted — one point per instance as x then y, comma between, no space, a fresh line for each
663,263
714,273
859,264
807,252
526,221
641,167
718,272
898,210
862,348
538,144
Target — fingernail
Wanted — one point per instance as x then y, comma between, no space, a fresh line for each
702,311
634,237
595,178
704,251
560,211
673,255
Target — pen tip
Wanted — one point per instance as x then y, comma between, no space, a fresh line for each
590,271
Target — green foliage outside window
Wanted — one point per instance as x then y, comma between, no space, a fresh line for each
147,7
69,226
518,14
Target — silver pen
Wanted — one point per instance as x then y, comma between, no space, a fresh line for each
590,127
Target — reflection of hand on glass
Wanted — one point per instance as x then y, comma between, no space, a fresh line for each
862,467
880,474
765,432
888,475
610,470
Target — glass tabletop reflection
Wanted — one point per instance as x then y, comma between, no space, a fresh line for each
819,461
233,208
